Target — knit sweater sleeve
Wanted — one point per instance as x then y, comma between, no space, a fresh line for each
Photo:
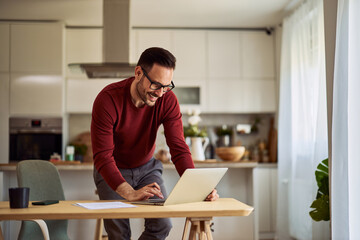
174,134
102,123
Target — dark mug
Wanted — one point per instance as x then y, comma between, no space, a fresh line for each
19,197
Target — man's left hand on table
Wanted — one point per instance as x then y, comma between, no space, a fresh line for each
213,196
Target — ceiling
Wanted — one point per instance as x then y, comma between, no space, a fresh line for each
155,13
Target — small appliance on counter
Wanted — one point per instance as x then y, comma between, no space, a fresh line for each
35,138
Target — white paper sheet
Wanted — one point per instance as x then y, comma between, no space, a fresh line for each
104,205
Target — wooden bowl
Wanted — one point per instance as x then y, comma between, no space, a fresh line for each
230,153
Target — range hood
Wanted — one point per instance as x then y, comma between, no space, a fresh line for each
116,43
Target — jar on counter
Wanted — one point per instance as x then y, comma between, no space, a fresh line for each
70,152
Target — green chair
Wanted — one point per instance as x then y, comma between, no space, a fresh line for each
43,179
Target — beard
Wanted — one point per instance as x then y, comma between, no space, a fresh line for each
149,98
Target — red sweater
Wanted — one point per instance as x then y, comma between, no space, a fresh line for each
123,136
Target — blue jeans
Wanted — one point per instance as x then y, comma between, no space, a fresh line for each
155,228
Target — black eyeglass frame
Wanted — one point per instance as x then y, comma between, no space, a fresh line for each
159,85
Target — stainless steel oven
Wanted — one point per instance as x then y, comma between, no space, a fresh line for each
35,138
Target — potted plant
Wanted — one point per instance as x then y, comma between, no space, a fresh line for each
80,151
197,135
224,134
193,129
321,211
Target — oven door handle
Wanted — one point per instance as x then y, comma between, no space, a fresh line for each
51,131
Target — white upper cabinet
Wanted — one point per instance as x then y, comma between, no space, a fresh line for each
4,47
190,52
36,69
36,95
257,55
146,38
241,72
36,47
218,71
224,55
80,99
83,46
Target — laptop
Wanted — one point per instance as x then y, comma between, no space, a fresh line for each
193,186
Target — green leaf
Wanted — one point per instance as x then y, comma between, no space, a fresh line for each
321,203
324,185
322,210
322,172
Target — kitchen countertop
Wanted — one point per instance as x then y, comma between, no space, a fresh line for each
198,164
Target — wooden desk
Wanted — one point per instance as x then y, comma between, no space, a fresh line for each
78,183
201,211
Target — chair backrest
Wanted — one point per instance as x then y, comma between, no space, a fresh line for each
43,179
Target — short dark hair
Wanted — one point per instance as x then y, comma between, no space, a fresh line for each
156,55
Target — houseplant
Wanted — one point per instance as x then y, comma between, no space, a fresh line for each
193,129
224,134
198,136
80,151
321,211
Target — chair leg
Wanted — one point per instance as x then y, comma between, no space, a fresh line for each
43,228
1,234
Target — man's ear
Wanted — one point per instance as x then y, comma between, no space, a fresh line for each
138,71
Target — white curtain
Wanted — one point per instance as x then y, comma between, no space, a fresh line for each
302,119
345,188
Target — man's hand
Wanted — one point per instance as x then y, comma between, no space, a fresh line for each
130,194
213,196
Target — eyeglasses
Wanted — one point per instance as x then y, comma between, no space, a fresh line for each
156,85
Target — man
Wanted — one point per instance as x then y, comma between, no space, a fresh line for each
125,120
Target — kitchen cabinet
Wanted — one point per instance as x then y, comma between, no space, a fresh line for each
4,116
265,187
36,68
188,46
224,51
36,94
241,96
240,54
4,47
36,47
145,38
257,55
80,99
190,73
83,45
190,52
241,72
231,70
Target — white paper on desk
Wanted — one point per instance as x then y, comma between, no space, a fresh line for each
104,205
